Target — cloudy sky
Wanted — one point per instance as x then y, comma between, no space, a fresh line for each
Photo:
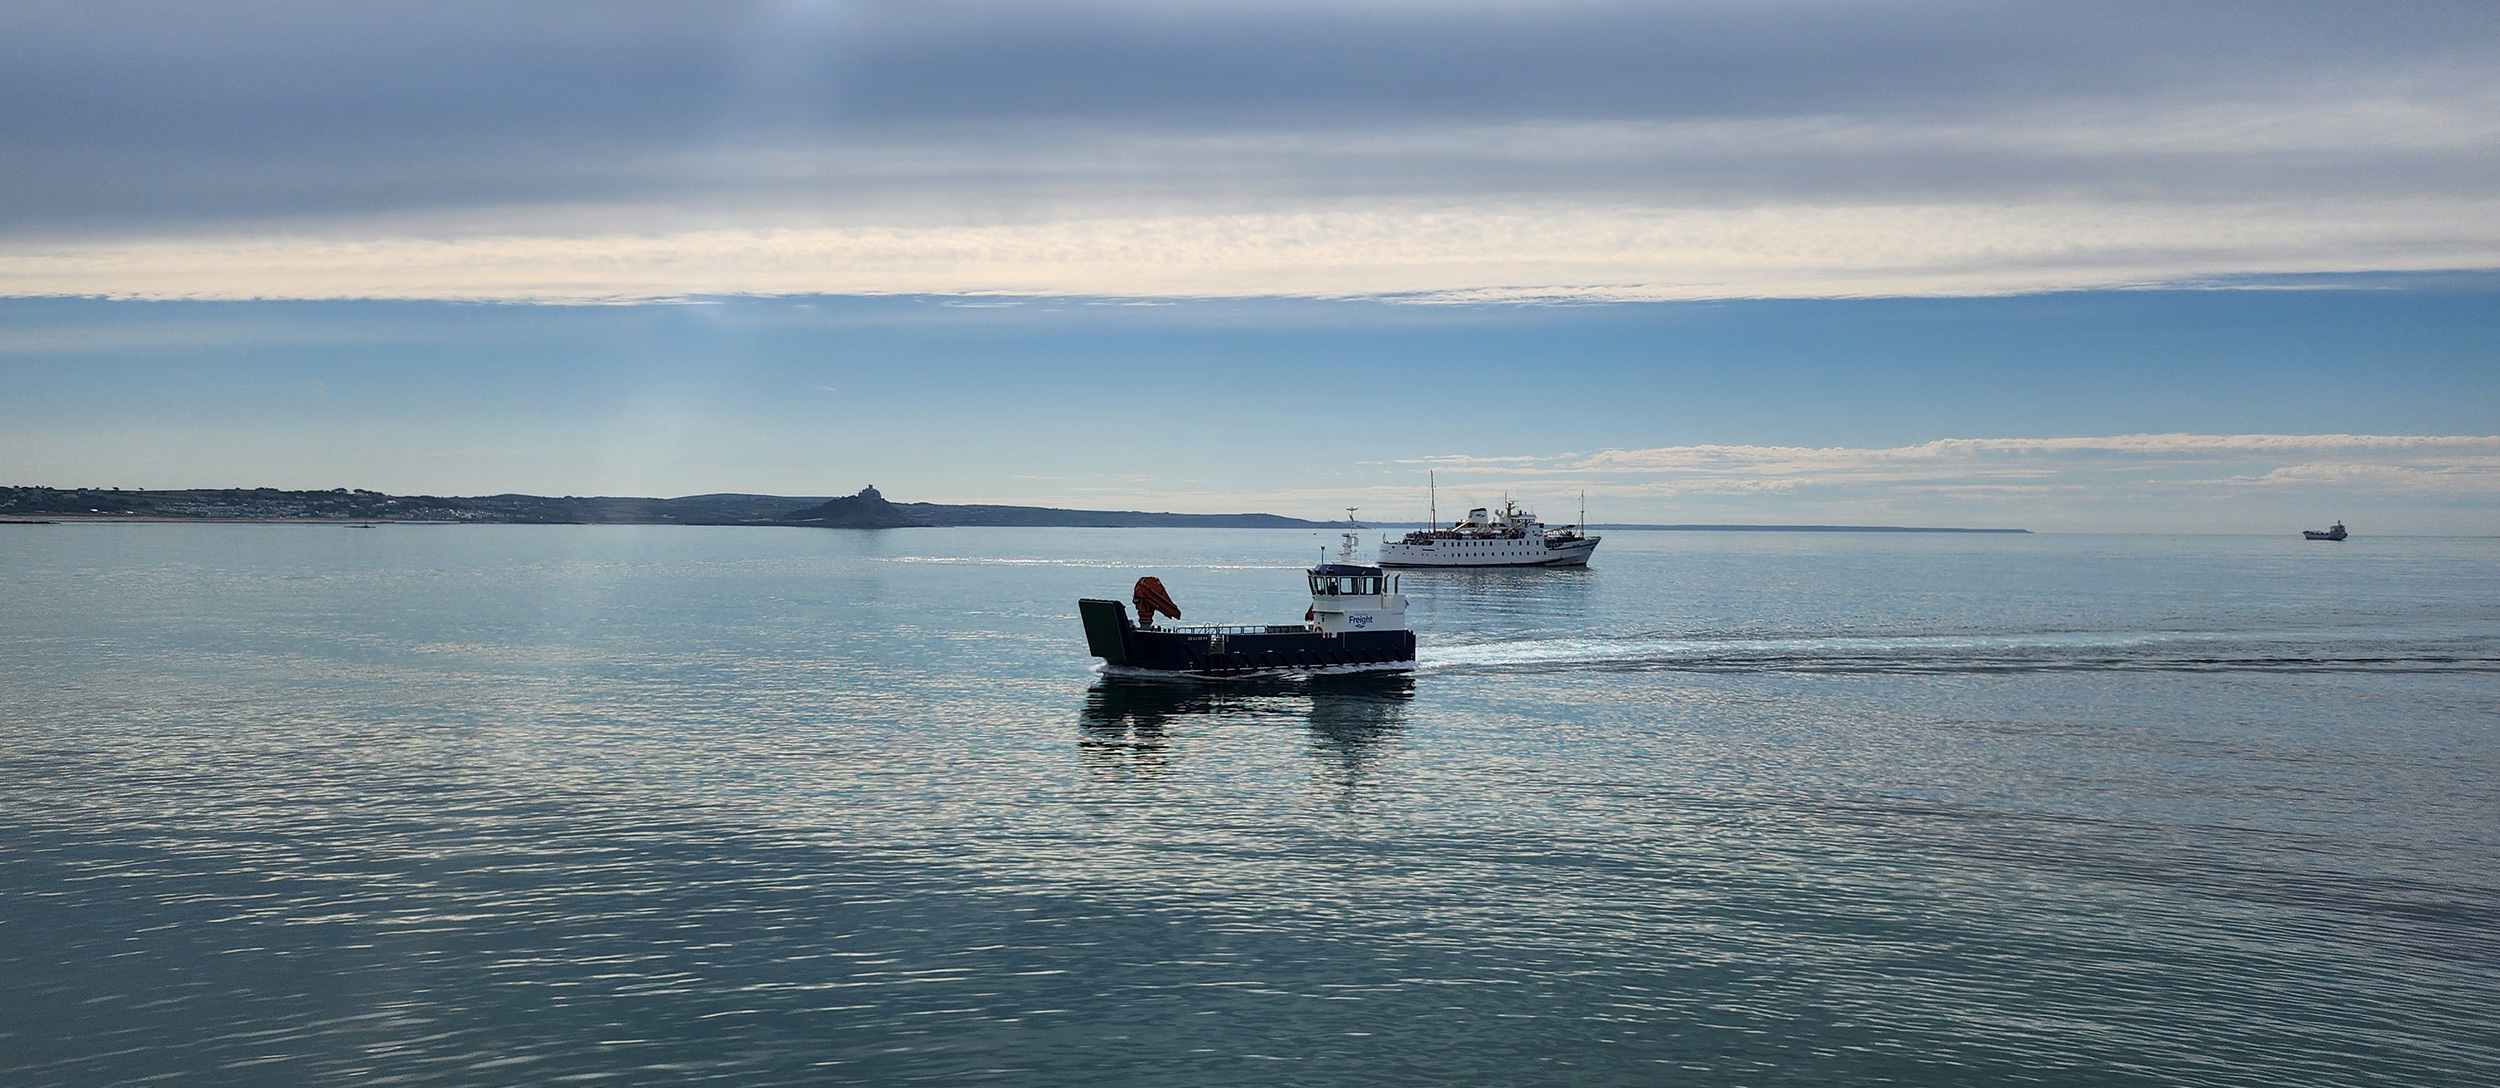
2132,265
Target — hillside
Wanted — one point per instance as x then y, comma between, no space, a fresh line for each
866,510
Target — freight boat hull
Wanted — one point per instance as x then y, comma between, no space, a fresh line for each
1240,651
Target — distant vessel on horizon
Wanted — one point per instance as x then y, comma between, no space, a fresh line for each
2331,532
1509,537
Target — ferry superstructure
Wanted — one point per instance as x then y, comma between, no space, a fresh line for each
1356,623
1509,537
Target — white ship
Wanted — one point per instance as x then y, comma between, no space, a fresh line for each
1508,537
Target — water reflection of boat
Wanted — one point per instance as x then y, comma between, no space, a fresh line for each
1128,720
1352,718
1127,705
1350,715
2331,532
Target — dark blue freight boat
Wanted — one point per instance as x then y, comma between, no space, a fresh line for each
1356,622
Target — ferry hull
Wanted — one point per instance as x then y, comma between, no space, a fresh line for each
1503,553
1278,650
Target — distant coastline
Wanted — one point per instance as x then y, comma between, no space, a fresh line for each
866,510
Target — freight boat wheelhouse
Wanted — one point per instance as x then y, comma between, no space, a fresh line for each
1356,622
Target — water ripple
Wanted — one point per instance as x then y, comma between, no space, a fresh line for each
485,807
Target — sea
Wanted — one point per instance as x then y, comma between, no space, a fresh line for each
296,804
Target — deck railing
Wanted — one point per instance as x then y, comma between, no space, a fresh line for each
1231,629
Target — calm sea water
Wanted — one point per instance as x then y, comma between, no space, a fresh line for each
508,805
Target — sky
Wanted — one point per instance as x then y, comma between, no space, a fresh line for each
2125,266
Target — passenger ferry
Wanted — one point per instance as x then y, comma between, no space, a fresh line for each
1356,623
1509,537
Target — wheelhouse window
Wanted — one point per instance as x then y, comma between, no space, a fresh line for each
1338,585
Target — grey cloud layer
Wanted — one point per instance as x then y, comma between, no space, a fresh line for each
618,150
116,114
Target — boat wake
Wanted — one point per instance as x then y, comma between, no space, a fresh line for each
2319,651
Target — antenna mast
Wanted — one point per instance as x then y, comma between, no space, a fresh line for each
1432,482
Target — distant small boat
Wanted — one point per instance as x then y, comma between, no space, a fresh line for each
2331,532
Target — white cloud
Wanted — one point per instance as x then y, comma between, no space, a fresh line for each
1456,252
